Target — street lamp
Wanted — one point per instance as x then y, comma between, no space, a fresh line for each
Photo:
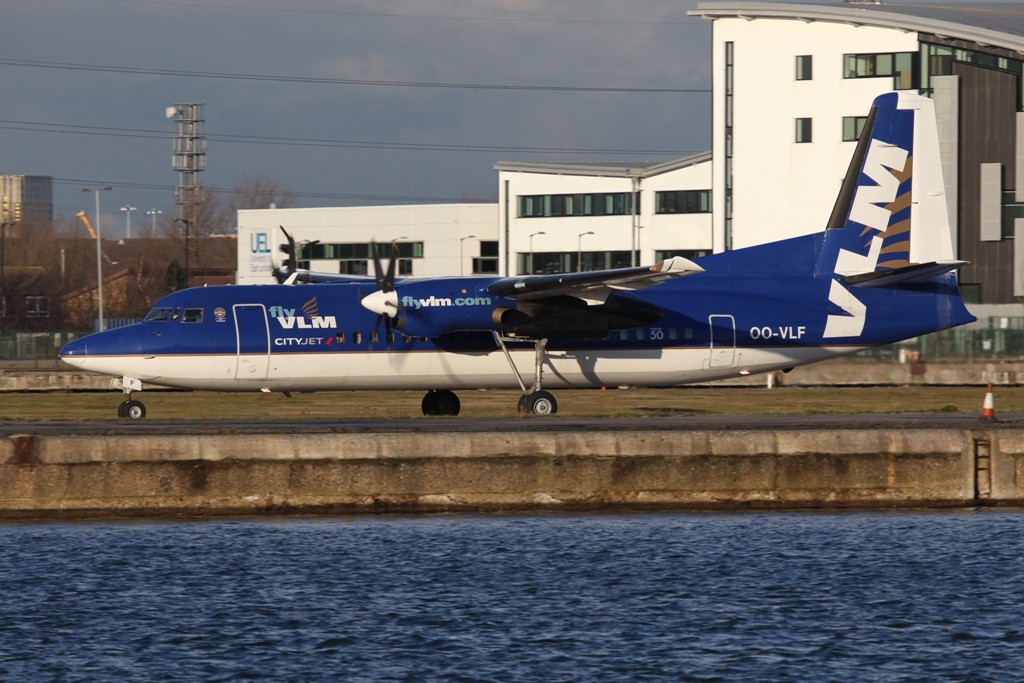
531,248
99,252
128,208
186,222
154,213
579,250
461,241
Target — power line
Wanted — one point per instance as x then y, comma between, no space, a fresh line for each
120,184
428,17
112,131
317,80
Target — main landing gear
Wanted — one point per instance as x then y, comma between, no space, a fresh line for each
441,402
130,408
534,401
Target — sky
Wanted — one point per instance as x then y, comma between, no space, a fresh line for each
342,102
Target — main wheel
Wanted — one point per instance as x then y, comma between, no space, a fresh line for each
122,409
538,403
134,409
441,402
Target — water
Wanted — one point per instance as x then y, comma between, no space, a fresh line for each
639,597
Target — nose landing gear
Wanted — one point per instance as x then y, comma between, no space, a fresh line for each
130,408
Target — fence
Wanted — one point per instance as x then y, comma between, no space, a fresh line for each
44,346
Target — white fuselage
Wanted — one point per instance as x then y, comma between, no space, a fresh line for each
442,369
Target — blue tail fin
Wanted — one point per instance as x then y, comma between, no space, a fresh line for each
891,210
889,227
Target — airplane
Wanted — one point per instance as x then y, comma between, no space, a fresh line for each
882,270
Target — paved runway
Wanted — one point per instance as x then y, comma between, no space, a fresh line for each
532,424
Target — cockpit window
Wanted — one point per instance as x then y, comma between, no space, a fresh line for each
192,315
159,315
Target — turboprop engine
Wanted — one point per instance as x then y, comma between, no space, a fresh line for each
427,310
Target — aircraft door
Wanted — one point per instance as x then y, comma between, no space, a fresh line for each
252,333
722,336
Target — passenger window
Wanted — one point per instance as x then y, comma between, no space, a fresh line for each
192,315
340,338
357,337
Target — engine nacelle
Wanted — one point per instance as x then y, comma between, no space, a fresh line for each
431,309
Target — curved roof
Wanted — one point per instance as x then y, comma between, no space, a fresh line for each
998,24
610,169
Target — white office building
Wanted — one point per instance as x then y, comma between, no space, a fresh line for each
558,218
431,240
793,84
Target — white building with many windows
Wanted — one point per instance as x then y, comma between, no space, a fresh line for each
432,239
793,82
559,218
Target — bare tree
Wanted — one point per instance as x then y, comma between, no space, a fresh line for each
215,213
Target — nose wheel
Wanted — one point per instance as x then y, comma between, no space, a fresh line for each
132,409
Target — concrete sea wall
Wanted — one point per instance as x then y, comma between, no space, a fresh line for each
231,474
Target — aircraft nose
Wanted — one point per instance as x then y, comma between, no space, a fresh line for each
74,352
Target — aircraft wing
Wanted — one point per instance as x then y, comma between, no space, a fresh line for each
307,276
594,287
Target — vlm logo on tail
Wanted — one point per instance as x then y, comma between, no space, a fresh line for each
884,175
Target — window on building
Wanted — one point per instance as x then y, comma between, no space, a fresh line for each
1011,210
803,67
663,254
597,204
358,251
803,130
37,307
683,201
485,265
901,66
487,262
549,262
354,267
970,293
852,127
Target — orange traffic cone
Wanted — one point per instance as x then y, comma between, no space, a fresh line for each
988,408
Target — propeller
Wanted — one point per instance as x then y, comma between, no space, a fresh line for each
384,301
293,257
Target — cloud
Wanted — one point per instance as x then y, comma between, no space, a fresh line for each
574,43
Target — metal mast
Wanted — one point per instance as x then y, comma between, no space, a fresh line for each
189,158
